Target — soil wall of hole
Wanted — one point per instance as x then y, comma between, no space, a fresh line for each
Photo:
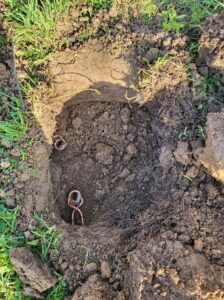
108,158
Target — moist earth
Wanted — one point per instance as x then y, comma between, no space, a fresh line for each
109,158
210,58
153,214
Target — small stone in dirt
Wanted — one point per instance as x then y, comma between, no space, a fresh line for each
182,153
76,123
4,164
125,115
198,245
15,152
132,150
90,268
193,172
10,202
151,55
32,271
104,154
105,270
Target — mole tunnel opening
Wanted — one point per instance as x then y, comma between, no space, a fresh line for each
107,158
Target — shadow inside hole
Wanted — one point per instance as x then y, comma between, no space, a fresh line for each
107,157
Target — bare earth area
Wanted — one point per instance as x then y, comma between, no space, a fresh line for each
151,176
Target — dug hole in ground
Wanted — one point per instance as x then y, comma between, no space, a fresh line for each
152,202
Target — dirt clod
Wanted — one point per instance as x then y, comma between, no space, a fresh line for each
213,155
76,123
4,73
132,150
99,290
32,271
151,55
192,172
29,292
90,268
182,154
211,45
125,115
104,154
198,245
105,270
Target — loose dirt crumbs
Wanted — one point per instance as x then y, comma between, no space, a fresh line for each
152,211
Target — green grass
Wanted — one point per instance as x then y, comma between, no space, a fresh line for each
35,26
193,50
208,86
3,41
183,135
44,237
15,163
84,35
144,8
171,20
97,4
59,291
158,65
10,284
14,125
192,13
35,21
200,131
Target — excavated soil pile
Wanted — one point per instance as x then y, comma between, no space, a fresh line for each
210,56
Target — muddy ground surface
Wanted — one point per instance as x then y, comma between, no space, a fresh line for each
153,213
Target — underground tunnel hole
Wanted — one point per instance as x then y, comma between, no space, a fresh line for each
107,158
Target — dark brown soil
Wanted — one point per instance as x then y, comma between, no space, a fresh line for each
169,186
210,58
153,214
109,158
